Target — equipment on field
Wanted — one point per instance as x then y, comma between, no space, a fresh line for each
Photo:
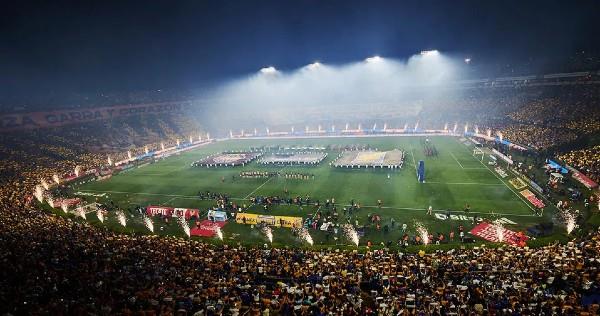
421,171
478,153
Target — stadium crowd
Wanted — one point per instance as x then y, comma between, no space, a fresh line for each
56,266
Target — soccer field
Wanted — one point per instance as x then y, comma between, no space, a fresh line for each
454,178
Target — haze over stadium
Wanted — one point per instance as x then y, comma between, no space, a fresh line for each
300,158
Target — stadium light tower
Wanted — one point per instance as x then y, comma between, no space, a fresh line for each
268,70
374,59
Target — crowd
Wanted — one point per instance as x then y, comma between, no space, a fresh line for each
57,266
585,160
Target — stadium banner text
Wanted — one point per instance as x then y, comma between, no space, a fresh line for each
21,121
254,219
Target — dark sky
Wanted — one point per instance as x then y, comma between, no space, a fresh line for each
87,46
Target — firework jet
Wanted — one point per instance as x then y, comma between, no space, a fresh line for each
423,233
219,232
569,219
100,215
148,223
303,233
77,170
80,212
45,184
268,232
50,201
65,208
56,178
499,229
39,193
350,232
184,225
122,218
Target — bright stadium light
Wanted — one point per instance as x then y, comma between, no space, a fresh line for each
374,59
313,66
432,52
268,70
467,60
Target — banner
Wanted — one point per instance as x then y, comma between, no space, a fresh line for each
502,156
206,228
581,178
271,220
21,121
172,211
532,198
159,210
489,232
555,165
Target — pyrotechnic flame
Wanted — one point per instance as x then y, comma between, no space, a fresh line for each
50,201
129,154
191,139
122,218
569,219
499,229
77,170
148,223
219,232
109,161
100,215
178,142
350,232
65,208
146,150
423,233
56,178
303,233
162,146
489,133
500,136
80,212
268,232
39,193
45,184
184,225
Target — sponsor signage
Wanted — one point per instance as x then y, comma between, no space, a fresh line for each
20,121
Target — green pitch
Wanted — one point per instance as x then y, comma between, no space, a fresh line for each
453,179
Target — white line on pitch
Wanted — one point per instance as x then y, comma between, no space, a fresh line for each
497,177
465,183
260,186
365,206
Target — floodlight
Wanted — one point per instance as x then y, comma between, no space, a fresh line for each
268,70
432,52
373,59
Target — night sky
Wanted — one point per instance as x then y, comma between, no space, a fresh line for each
94,46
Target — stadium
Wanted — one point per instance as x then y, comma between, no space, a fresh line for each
461,180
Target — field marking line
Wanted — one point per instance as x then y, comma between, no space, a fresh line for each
260,186
364,206
461,166
513,191
461,212
465,183
414,162
171,199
